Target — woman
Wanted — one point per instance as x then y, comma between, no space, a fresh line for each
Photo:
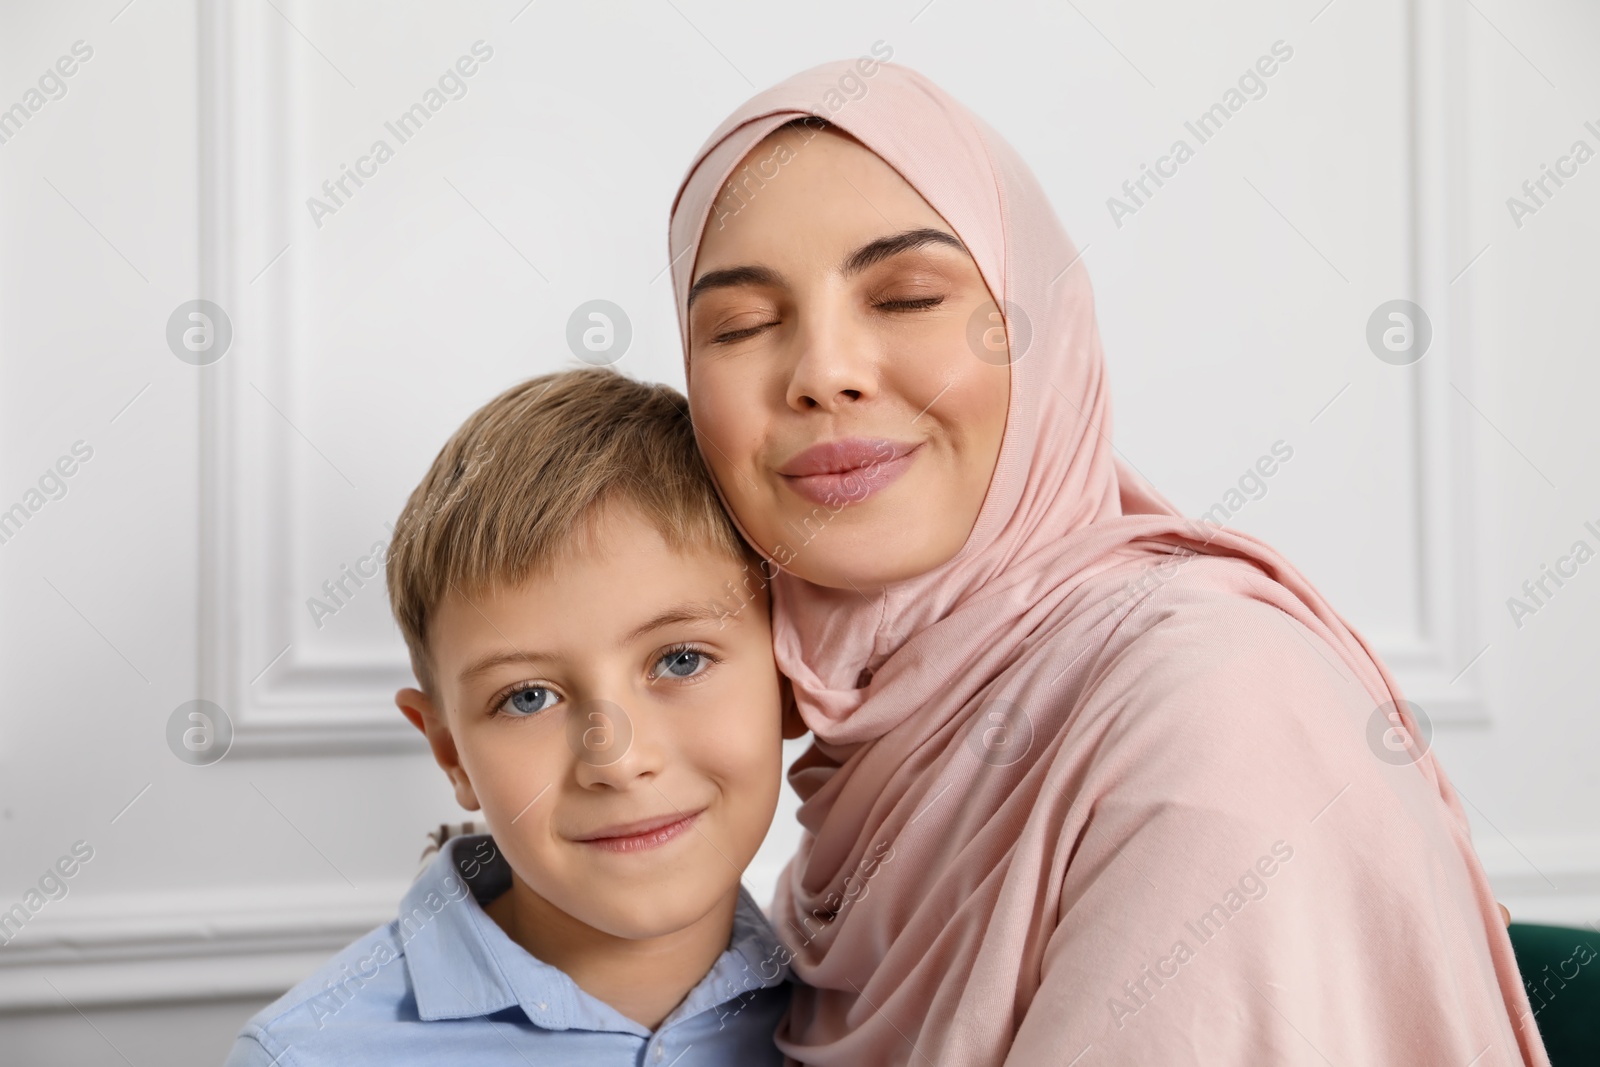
1089,784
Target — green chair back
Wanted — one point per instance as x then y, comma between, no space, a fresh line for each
1561,971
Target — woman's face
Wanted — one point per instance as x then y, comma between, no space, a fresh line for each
835,378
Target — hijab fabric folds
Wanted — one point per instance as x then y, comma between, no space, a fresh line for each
1108,792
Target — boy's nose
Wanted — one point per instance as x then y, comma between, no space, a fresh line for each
607,745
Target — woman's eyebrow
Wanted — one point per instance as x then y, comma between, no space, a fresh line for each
884,247
733,276
874,251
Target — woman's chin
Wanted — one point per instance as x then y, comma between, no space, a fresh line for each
862,556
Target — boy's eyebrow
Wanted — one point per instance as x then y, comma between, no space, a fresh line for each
676,615
672,616
498,659
874,251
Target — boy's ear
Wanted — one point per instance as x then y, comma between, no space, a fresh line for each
419,708
793,725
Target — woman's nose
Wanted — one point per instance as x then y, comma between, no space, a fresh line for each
833,367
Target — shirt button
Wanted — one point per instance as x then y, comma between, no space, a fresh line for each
660,1052
543,1006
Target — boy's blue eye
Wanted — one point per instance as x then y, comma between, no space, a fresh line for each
529,701
681,663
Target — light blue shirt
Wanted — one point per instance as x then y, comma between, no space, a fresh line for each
444,984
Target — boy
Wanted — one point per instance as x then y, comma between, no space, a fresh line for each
561,578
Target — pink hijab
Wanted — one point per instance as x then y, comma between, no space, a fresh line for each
1109,794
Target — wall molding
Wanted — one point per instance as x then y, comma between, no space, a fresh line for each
1430,669
279,703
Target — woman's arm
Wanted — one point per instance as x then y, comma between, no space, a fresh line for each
1255,885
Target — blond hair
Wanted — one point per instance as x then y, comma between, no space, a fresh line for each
520,484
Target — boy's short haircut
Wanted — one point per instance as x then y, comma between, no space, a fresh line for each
523,479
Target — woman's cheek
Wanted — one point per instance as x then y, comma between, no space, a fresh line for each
736,434
973,410
717,420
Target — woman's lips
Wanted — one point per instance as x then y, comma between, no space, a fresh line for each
640,836
847,471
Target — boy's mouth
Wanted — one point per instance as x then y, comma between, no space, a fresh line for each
642,834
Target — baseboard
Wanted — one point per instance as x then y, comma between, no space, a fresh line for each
141,948
1544,879
131,949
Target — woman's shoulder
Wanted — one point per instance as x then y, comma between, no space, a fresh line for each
1205,617
1210,679
1222,720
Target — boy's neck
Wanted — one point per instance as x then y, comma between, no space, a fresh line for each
642,979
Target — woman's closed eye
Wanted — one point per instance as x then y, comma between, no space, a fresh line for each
910,282
907,303
729,317
740,334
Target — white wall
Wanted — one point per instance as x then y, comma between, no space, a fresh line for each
1233,306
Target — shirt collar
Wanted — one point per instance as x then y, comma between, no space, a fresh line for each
462,965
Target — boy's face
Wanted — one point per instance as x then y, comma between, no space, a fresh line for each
618,721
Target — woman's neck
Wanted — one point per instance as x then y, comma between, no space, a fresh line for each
644,979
